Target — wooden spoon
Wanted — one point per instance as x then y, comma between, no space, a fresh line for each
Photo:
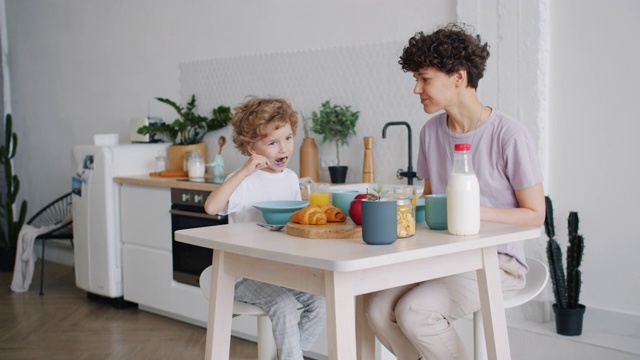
221,141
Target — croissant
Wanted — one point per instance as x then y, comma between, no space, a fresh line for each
310,215
295,217
333,213
298,215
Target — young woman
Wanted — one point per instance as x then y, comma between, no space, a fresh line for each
415,321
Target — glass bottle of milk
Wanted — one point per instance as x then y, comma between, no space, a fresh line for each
463,194
195,165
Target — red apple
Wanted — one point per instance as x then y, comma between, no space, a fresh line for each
355,208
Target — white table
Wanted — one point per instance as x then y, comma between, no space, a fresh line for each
344,269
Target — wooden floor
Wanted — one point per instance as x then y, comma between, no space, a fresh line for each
64,324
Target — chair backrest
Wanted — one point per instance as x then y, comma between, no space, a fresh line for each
55,212
537,279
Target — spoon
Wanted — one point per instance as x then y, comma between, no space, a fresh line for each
272,227
221,141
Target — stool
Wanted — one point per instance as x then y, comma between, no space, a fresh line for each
537,278
266,344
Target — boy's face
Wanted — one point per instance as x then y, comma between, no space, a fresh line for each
276,146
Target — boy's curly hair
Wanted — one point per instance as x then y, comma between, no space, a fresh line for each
448,49
251,118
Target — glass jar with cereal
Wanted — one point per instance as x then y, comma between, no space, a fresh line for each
406,217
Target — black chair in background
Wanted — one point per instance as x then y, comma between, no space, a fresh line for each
58,212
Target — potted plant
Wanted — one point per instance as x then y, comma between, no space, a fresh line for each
335,123
566,289
9,226
187,132
308,154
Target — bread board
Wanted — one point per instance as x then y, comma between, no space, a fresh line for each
343,230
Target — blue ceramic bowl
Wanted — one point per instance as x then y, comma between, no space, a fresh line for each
277,212
342,199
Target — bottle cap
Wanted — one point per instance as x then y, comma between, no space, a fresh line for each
462,147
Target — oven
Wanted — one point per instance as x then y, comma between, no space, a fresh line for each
187,212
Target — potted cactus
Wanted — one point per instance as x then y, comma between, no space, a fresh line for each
566,289
10,222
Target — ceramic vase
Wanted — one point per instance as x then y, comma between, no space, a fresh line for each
379,221
217,166
309,159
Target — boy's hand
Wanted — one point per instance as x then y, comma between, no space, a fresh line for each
219,198
255,162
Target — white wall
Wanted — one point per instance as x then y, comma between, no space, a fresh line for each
83,67
594,128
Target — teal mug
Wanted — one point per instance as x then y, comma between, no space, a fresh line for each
436,211
420,211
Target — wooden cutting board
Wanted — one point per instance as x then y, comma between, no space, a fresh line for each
344,230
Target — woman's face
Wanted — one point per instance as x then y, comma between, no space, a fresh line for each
277,146
436,89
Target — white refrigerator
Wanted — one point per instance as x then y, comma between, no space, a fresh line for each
96,211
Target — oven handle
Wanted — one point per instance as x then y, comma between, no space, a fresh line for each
195,214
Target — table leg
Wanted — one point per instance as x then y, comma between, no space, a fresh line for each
365,338
494,319
341,316
220,310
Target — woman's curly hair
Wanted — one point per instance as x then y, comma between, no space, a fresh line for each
448,49
251,118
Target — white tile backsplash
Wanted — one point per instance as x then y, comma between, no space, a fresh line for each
366,76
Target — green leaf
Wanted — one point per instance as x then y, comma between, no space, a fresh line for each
335,123
190,127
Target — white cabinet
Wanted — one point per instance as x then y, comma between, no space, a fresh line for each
147,261
146,219
147,276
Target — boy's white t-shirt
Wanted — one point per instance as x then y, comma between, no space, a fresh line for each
260,186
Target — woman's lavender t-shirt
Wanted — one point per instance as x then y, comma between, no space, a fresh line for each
504,160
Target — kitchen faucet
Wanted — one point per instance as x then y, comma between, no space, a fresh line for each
409,174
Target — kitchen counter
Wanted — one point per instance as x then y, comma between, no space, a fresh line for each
165,182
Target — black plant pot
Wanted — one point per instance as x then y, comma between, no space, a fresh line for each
569,321
338,174
7,259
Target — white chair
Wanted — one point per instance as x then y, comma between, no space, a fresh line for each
266,344
537,278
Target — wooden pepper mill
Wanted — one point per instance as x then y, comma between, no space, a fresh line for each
367,167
